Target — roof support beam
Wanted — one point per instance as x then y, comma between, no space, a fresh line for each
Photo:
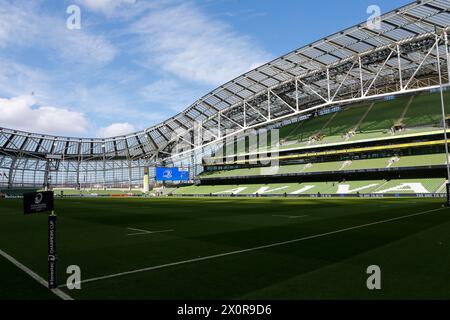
421,64
312,90
282,100
378,73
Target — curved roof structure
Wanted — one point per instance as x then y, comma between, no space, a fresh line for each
400,55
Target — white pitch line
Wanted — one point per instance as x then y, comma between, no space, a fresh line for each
35,276
141,231
289,217
277,244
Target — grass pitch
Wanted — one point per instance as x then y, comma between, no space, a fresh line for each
233,248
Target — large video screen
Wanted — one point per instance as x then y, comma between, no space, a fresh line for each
172,174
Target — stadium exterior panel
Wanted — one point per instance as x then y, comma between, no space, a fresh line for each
407,53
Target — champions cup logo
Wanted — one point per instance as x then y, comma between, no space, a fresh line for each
38,198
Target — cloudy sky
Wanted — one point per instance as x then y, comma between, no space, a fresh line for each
134,63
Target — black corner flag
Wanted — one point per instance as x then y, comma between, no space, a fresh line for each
39,202
52,282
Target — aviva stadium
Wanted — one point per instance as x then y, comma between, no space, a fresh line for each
340,145
361,100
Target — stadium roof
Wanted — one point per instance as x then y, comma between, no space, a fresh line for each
309,66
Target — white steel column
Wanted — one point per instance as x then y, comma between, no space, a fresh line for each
448,55
400,68
443,107
104,165
12,172
129,173
361,77
328,85
219,134
245,115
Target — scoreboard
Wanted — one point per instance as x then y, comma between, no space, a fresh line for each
172,174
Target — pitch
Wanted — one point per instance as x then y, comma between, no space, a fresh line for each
232,248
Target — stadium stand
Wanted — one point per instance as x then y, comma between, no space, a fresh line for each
384,115
394,162
16,192
382,187
425,110
336,122
400,135
419,113
90,192
161,192
383,120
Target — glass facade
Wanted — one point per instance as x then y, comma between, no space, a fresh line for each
29,172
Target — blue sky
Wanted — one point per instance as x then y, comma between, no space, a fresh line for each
134,63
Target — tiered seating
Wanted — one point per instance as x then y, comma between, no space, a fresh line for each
384,115
411,186
162,191
345,121
333,126
369,163
373,120
324,166
419,113
68,192
304,130
430,185
429,160
409,161
425,110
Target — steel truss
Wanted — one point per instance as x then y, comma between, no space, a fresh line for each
387,71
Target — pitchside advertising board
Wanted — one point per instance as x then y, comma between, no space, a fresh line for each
172,174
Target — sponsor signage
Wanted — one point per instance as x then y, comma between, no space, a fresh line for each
172,174
52,283
37,202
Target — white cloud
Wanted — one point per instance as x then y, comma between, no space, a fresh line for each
116,129
177,39
122,9
106,7
11,19
182,40
109,103
17,79
81,47
24,113
26,25
174,95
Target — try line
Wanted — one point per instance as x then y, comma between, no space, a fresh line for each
277,244
35,276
